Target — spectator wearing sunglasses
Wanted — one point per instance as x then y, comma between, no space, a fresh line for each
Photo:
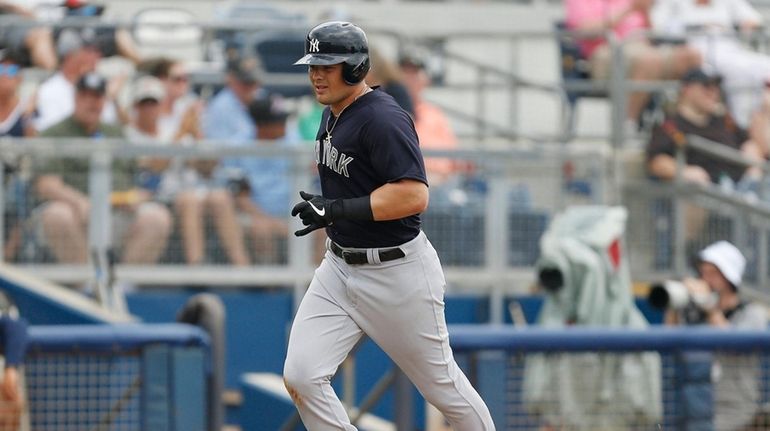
14,110
180,108
198,193
14,122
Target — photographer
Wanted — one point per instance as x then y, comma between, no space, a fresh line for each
716,297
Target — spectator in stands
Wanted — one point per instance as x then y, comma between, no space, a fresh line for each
14,109
14,122
699,112
710,28
262,184
644,61
111,41
189,185
62,185
387,75
430,122
717,302
56,95
760,122
32,45
181,108
155,173
227,115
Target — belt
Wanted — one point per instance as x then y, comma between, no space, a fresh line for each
359,257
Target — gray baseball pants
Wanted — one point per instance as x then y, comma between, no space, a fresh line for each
400,305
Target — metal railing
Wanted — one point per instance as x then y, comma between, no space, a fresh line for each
486,225
641,379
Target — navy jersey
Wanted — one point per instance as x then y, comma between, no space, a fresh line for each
373,143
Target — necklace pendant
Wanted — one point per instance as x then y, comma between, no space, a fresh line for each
328,139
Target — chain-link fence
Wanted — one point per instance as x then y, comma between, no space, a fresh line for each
127,378
615,379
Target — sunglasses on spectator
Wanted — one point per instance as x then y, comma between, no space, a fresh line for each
178,78
9,70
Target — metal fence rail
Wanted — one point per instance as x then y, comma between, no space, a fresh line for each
485,222
599,359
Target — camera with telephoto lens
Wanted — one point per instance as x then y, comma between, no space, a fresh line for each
674,295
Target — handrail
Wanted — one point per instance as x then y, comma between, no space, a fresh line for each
590,339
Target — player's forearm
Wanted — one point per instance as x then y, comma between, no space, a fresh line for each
397,200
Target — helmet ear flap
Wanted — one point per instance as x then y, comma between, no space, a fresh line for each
352,74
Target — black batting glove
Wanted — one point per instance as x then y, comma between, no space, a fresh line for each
315,211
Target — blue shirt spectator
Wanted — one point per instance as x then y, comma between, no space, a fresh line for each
227,116
228,119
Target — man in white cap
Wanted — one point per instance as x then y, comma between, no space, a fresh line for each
736,376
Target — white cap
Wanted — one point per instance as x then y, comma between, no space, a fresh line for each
727,258
148,87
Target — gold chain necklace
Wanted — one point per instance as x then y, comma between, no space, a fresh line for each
328,138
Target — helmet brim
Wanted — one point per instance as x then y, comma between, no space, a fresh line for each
321,59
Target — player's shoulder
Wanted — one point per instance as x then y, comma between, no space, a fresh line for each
382,109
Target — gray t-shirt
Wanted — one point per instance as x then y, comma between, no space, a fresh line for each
737,376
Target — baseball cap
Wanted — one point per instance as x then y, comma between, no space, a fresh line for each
267,110
700,76
92,81
148,88
727,258
245,69
71,40
412,56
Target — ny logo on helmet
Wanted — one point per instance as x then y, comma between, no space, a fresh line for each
314,45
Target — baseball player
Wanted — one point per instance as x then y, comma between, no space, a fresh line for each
380,276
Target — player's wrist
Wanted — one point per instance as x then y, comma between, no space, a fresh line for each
353,209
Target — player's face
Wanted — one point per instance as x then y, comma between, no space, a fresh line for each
329,87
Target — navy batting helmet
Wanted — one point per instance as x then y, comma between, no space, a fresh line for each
338,42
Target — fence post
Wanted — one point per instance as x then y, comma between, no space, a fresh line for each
100,219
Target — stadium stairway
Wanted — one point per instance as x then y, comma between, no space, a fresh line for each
44,303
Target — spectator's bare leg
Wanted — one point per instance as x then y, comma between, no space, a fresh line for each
126,46
64,234
683,58
266,232
695,220
647,65
190,210
39,41
264,242
148,235
222,208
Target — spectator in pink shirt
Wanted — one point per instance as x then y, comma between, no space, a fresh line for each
644,61
430,122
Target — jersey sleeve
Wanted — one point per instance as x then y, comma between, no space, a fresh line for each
394,148
660,143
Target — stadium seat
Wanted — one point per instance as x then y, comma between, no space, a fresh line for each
178,37
574,68
277,51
